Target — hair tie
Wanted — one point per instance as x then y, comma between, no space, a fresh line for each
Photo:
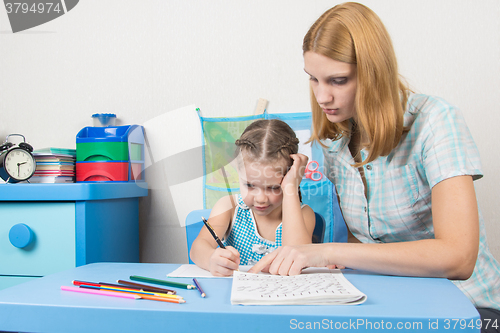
245,142
289,145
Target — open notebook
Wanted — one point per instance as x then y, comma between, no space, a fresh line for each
309,288
316,285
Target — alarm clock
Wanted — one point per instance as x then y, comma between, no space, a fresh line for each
17,162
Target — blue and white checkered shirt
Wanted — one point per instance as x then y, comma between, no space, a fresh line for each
397,205
244,236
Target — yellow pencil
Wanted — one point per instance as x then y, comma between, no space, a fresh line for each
138,292
162,299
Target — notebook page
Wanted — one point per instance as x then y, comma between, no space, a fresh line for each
313,288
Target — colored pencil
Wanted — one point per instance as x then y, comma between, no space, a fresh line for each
163,299
212,231
120,286
139,292
101,284
162,282
78,283
104,285
146,287
202,293
121,294
99,292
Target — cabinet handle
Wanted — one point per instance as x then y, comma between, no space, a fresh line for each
21,235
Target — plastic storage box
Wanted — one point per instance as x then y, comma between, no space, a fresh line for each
113,153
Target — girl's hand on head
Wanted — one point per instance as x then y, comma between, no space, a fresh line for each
294,176
224,261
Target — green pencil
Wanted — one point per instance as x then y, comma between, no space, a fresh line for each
162,282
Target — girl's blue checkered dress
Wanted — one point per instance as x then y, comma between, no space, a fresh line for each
245,238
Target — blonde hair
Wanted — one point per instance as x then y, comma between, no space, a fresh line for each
268,141
354,34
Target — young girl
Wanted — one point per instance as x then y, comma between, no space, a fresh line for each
268,212
403,165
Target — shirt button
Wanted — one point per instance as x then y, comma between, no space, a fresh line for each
368,167
364,208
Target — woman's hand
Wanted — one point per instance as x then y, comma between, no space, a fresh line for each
224,261
290,260
293,177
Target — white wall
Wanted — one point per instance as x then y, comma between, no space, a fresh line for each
142,59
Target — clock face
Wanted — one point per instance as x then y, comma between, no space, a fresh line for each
19,164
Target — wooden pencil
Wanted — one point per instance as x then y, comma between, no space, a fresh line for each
146,287
99,292
202,293
162,299
122,294
100,284
138,292
162,282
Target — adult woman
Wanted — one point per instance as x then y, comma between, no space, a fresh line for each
403,165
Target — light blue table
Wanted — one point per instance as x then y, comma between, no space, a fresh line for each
393,304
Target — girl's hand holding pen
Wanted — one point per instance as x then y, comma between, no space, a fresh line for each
224,261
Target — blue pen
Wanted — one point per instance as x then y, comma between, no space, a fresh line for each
212,231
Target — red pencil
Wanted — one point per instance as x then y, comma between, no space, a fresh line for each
99,292
101,284
79,283
132,286
122,294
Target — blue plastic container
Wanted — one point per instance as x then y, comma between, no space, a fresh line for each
112,144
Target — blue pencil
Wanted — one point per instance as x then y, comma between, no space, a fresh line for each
199,288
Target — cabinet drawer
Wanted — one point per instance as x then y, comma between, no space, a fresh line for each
9,281
52,247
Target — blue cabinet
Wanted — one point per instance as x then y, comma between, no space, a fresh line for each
46,228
